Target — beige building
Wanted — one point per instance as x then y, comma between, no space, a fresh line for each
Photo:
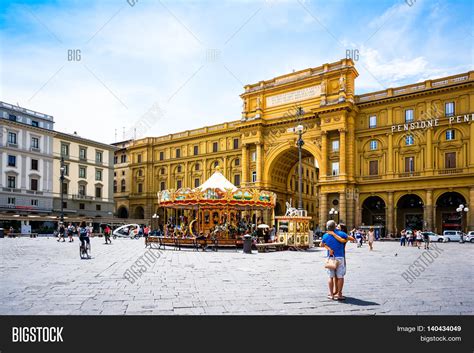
88,176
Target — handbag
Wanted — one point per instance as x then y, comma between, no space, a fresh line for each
331,263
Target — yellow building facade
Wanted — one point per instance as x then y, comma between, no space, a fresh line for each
397,158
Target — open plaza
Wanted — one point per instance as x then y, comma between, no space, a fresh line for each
42,276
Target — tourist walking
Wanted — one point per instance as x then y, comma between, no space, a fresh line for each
358,236
371,238
418,238
426,239
107,232
403,237
70,232
61,232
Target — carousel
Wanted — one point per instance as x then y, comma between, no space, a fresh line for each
217,208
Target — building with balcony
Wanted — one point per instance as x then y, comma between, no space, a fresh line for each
88,177
122,177
26,161
398,158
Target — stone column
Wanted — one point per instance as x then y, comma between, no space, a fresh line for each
342,152
342,207
435,226
259,162
358,215
470,215
323,210
324,156
390,154
428,210
245,165
389,211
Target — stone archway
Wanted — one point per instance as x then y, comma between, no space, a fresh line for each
373,211
410,212
139,213
122,212
447,218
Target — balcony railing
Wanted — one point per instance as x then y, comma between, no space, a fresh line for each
409,174
81,197
448,171
371,177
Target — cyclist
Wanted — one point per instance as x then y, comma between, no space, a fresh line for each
84,235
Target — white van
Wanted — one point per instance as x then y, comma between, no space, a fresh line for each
452,235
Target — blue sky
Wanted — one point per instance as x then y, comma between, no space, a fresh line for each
192,58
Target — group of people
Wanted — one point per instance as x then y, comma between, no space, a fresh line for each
415,237
81,230
362,236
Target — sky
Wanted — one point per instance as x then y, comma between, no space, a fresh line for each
117,69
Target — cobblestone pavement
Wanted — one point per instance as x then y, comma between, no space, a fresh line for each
42,276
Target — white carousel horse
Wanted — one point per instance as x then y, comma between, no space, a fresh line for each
290,211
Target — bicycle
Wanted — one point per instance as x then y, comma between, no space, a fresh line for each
85,250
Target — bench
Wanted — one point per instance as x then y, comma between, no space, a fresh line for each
264,247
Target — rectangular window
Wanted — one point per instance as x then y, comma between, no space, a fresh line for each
35,142
122,186
236,144
139,158
179,184
12,138
215,147
34,164
450,160
11,201
409,164
373,145
64,204
409,115
123,158
254,156
335,168
197,182
115,186
162,156
34,123
98,175
34,202
98,157
450,135
82,206
98,207
196,150
140,188
98,192
65,187
372,121
82,153
11,182
237,162
34,184
115,160
82,172
254,177
237,179
335,145
64,150
162,186
373,167
449,109
178,153
12,161
82,190
11,117
66,169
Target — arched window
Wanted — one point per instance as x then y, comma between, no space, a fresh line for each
122,185
197,166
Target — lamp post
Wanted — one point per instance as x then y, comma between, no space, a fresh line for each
61,178
153,218
461,208
300,130
333,212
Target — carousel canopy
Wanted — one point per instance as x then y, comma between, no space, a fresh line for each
217,181
217,192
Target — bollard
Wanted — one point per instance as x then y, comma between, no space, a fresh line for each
247,244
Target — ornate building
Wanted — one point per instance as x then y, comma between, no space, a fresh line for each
401,157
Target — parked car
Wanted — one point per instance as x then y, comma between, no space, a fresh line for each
452,235
433,236
469,236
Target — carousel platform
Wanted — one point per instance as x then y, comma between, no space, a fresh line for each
194,243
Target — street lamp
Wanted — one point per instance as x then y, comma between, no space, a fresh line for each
300,130
333,212
155,216
461,208
62,169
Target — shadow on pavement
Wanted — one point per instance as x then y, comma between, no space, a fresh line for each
355,301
